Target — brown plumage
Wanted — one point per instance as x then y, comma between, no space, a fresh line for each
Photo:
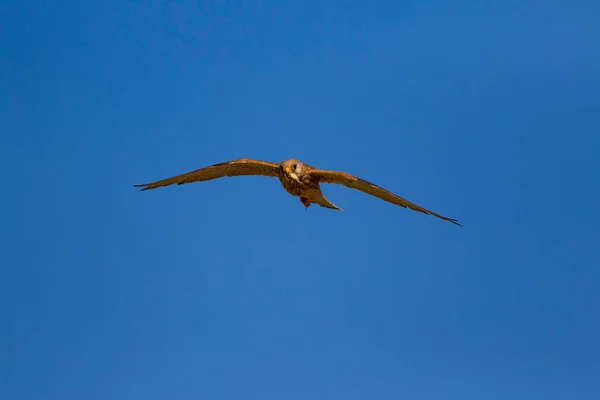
297,178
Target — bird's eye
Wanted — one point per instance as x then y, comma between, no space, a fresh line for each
294,167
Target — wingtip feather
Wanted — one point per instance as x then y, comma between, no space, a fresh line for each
455,222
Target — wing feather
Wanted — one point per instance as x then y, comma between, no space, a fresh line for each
343,178
240,167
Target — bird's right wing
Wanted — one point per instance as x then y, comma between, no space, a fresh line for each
240,167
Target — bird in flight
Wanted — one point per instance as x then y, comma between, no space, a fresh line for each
297,178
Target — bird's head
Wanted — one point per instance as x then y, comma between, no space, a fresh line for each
292,169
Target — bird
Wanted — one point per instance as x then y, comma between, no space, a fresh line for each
297,178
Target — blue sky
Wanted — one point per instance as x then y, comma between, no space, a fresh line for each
488,112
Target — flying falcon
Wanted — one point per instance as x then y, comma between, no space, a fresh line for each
297,178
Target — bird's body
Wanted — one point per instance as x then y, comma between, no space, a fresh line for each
297,178
305,187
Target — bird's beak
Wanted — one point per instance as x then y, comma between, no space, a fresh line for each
291,174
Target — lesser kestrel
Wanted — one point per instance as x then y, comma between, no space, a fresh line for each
297,178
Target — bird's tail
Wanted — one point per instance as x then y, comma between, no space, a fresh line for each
324,202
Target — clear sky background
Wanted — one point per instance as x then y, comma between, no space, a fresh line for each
488,112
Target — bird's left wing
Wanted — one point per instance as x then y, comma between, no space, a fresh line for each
343,178
240,167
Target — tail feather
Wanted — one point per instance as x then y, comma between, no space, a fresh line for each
324,202
330,205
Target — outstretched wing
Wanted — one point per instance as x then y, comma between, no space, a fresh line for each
243,166
343,178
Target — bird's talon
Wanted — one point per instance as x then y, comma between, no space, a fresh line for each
305,202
